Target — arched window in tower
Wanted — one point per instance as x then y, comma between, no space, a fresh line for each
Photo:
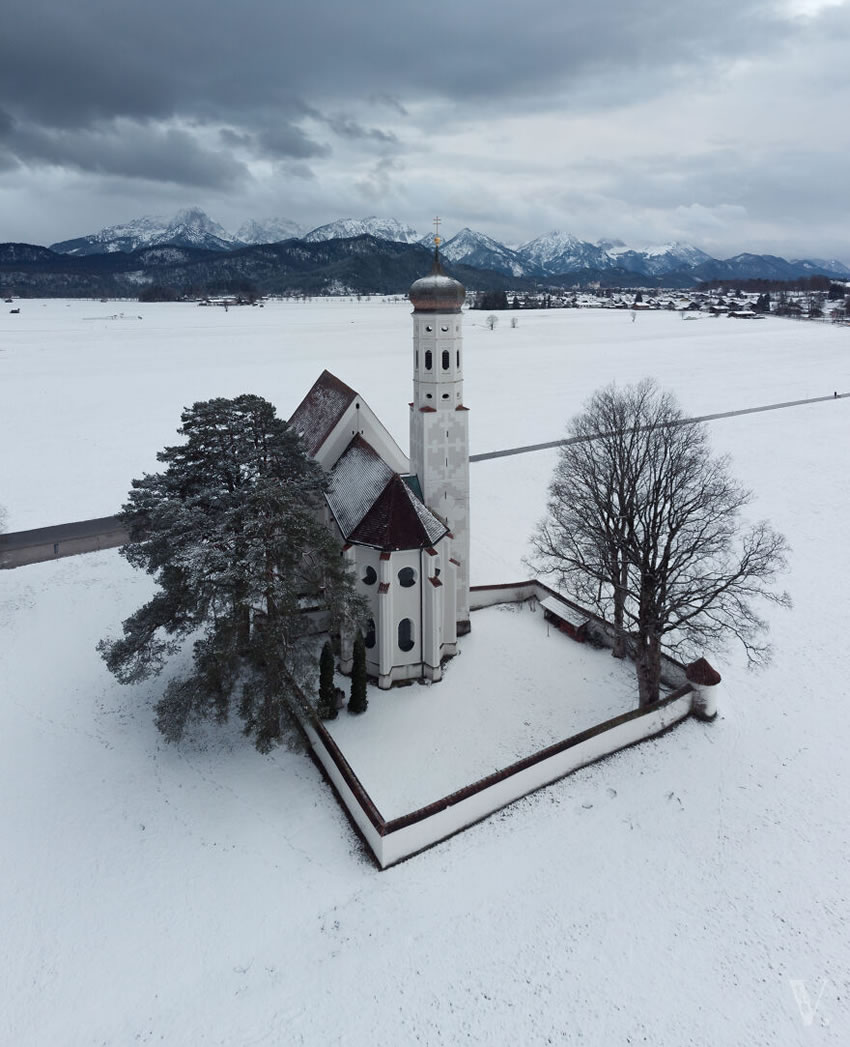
371,636
429,359
458,359
405,634
447,360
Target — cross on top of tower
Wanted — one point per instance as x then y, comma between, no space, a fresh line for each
437,238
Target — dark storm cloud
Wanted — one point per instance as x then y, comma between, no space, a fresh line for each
136,152
388,100
316,102
287,140
346,127
70,65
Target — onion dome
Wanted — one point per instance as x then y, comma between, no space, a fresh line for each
437,292
702,674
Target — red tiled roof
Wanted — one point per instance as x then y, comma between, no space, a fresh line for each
321,409
398,520
702,674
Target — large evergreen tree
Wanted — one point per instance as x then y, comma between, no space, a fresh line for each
231,531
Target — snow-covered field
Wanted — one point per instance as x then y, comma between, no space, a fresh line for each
87,400
692,890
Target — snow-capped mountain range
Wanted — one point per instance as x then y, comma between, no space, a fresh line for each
380,228
554,254
189,228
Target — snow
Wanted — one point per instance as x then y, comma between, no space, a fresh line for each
382,228
267,230
500,709
114,401
691,890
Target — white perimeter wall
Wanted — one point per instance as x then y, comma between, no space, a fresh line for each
398,839
401,843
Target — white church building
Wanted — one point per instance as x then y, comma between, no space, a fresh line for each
403,523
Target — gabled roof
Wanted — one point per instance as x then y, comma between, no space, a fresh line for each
321,409
356,481
398,520
373,505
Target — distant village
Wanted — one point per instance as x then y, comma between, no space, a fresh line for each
830,303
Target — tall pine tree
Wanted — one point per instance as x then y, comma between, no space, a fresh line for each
327,690
231,531
358,702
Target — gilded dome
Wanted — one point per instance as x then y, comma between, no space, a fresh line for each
437,292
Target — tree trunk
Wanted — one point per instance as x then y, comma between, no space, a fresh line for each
619,649
242,614
648,663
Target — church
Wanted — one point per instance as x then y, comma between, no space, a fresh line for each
403,523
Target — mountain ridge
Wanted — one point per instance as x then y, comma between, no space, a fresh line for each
552,254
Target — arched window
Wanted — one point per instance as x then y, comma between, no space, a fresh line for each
428,328
444,327
429,359
406,577
458,359
405,634
447,360
370,576
369,639
417,359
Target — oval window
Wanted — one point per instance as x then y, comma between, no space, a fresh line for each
370,576
406,577
447,360
370,637
405,634
428,328
445,327
429,359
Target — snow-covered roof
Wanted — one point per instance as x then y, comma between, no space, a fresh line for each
372,505
321,409
398,520
357,479
564,612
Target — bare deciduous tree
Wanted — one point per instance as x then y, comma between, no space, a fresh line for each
644,526
492,320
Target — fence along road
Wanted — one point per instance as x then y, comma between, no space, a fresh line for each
19,548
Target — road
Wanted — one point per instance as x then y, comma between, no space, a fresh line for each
50,543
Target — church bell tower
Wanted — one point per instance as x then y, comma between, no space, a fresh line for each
439,426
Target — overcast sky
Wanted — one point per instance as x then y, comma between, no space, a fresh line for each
725,123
